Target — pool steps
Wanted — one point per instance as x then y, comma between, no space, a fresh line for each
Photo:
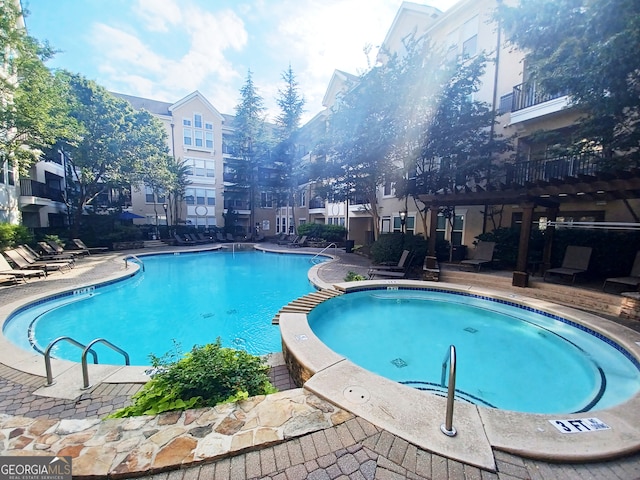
307,303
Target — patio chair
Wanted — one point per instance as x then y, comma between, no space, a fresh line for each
398,267
288,240
482,255
220,237
90,250
182,241
5,268
49,251
575,262
632,280
40,256
58,250
230,238
24,264
298,242
202,238
35,259
8,279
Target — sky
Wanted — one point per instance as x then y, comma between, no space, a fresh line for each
166,49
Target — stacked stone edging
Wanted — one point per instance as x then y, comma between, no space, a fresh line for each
123,448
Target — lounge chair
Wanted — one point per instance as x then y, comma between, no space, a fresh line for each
575,261
52,248
182,241
25,264
298,242
230,238
5,268
35,259
80,245
201,238
482,255
399,267
8,279
632,280
288,240
220,237
41,256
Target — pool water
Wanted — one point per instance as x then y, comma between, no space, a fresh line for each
507,357
184,299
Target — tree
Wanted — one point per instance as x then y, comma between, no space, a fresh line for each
291,105
32,110
362,137
454,143
115,146
250,146
587,49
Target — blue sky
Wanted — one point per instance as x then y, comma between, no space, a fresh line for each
166,49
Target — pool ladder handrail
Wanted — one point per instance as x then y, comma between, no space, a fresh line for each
86,349
450,357
126,263
324,250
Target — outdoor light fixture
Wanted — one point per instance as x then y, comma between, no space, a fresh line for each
166,215
403,220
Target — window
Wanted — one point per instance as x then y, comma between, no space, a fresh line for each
456,231
388,189
208,140
198,138
186,122
470,46
266,200
409,224
187,136
199,167
197,120
189,196
303,199
208,126
148,195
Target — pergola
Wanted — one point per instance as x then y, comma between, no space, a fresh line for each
622,185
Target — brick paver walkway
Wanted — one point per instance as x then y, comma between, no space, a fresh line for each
353,450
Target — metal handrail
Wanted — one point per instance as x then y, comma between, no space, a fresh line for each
323,250
126,263
85,370
47,356
447,427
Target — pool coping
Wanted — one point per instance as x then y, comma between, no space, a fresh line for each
416,416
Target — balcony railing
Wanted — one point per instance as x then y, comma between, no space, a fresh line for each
528,94
557,168
31,188
316,203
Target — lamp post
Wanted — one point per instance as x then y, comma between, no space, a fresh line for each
166,216
403,221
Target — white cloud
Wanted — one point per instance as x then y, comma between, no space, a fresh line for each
158,15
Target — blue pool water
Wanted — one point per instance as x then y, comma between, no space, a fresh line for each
507,357
190,298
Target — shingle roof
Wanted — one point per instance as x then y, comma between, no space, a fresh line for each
152,106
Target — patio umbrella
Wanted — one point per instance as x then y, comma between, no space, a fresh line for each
128,216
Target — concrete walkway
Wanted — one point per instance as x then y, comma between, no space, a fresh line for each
351,448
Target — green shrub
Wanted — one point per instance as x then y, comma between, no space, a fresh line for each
389,247
354,277
507,240
13,235
329,233
206,376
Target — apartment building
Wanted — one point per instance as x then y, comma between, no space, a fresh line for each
540,184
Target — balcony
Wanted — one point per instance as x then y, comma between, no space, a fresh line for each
528,101
33,189
557,168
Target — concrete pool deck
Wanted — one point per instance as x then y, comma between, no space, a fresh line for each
352,446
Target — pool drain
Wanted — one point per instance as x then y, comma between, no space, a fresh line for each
471,330
398,362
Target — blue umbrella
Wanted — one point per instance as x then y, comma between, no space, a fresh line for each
129,216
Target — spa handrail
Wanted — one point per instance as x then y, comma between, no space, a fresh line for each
450,357
87,349
47,356
323,250
126,263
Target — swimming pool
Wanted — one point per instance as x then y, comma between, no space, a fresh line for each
510,358
182,298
